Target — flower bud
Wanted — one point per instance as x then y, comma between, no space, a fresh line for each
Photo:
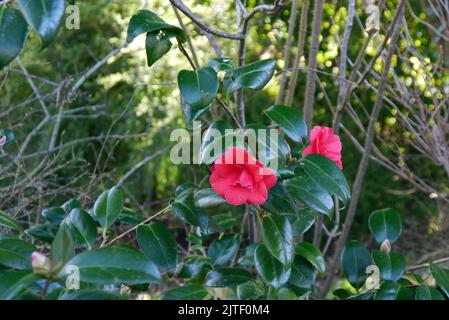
3,141
41,264
386,246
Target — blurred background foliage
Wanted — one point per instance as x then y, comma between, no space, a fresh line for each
132,99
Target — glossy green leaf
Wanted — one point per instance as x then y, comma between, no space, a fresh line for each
117,264
253,75
7,221
388,291
63,246
224,249
289,120
194,266
157,45
198,88
145,21
108,207
391,265
188,292
16,253
90,294
355,259
385,224
129,216
158,244
302,274
304,189
271,270
278,238
279,200
185,209
325,173
222,64
82,227
441,276
428,293
13,282
250,291
312,254
44,16
269,147
191,114
13,33
302,221
227,277
70,205
45,232
207,198
217,138
54,215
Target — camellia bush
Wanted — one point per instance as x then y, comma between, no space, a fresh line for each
245,233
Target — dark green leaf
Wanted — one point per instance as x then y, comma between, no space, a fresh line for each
13,33
191,114
385,224
157,45
222,64
441,276
250,291
82,227
62,247
391,265
388,291
253,76
188,292
224,249
217,138
129,216
185,209
54,215
7,221
311,254
278,238
117,264
13,282
325,173
307,191
194,266
354,260
207,198
108,207
302,274
279,200
44,232
70,205
145,21
428,293
16,253
289,120
226,277
269,147
198,88
44,16
158,244
271,270
302,221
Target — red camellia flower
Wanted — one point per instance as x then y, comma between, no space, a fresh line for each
325,142
239,178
